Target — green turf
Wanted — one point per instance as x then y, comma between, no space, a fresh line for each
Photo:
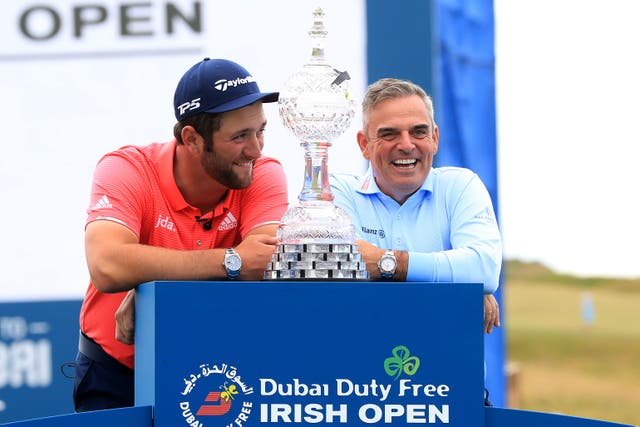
566,366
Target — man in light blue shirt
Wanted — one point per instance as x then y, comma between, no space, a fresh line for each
418,223
415,222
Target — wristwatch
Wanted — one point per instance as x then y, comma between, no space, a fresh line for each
387,265
232,263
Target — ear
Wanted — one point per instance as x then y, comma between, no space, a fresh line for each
363,143
436,137
192,139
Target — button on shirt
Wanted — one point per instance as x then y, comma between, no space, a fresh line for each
448,226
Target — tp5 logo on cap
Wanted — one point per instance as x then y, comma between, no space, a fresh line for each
216,86
191,105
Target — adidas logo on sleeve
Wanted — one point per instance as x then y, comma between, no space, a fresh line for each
103,203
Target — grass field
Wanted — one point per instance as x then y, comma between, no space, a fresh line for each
563,365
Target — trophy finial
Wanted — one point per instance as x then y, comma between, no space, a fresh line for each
318,35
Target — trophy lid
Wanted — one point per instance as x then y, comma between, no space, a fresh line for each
317,102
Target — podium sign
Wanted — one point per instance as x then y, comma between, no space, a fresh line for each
272,353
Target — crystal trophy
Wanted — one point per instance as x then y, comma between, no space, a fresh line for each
315,237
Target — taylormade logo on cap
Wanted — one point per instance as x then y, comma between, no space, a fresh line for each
223,84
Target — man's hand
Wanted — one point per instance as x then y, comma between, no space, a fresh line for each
255,251
491,313
125,318
370,255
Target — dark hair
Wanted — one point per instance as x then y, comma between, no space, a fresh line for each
204,123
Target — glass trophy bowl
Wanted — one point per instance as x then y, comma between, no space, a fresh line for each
315,237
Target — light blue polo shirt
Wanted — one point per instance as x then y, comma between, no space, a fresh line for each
448,226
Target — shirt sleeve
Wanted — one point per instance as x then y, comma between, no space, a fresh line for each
266,199
118,193
476,247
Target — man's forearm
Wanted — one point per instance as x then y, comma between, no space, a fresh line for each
128,265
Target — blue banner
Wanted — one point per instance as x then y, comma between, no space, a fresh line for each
36,339
447,47
466,115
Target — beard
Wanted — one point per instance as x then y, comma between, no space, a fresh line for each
224,172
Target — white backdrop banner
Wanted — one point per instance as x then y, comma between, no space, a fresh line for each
80,78
32,30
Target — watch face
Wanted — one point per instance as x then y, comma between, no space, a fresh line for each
233,262
387,264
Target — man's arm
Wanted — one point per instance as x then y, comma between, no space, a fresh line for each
118,262
479,263
474,252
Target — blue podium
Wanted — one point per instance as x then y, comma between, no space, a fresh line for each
242,354
356,353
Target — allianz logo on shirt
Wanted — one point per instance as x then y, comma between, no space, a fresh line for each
228,223
375,232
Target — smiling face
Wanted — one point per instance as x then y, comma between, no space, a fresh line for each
236,146
400,140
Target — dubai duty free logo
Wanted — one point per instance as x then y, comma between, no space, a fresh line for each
400,362
341,400
220,397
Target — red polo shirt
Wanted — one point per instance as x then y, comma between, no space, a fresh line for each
134,186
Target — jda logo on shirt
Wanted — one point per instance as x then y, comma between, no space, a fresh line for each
165,222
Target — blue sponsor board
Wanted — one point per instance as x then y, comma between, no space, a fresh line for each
356,353
36,339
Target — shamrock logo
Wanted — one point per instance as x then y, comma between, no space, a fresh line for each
400,362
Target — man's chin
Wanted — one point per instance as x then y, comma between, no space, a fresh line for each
240,183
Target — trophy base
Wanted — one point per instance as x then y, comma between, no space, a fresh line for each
316,261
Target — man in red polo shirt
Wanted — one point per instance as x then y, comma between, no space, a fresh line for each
203,206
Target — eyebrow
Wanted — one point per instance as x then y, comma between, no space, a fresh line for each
249,129
421,126
392,129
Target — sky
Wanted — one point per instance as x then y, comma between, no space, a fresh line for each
567,90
